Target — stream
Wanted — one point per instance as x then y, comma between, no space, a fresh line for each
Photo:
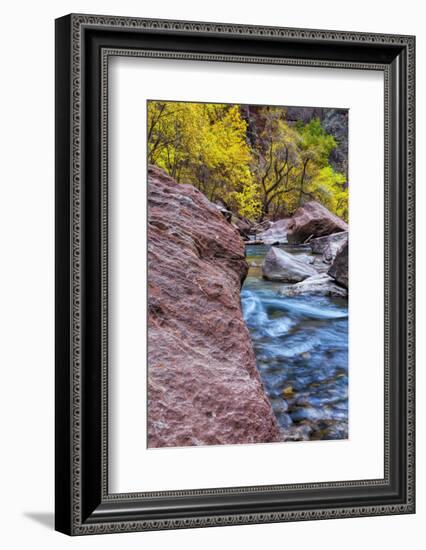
301,347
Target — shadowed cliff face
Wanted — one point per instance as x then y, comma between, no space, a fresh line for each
334,121
203,385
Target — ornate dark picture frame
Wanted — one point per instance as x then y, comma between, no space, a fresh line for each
84,43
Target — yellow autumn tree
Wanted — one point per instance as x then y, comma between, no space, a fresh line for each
205,145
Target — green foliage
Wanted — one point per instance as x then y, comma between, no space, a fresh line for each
316,143
271,174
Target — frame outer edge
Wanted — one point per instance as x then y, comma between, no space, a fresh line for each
77,22
63,495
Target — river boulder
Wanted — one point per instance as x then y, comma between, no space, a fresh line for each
317,285
329,245
320,244
339,267
243,225
259,227
276,233
279,265
203,384
313,220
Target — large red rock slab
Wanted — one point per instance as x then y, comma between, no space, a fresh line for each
203,384
313,220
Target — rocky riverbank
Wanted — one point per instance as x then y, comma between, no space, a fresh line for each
295,305
323,269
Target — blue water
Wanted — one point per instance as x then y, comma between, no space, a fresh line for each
301,347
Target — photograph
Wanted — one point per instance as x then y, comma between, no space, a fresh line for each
248,283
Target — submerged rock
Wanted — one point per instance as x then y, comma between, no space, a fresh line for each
301,432
307,413
284,420
313,220
203,384
339,267
336,431
317,285
282,266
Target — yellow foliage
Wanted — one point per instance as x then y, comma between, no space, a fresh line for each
207,145
204,144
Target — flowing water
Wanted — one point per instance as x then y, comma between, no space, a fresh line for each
301,346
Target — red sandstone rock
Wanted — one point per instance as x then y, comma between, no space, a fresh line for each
313,220
203,384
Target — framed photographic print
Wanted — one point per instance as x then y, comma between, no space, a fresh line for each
234,274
